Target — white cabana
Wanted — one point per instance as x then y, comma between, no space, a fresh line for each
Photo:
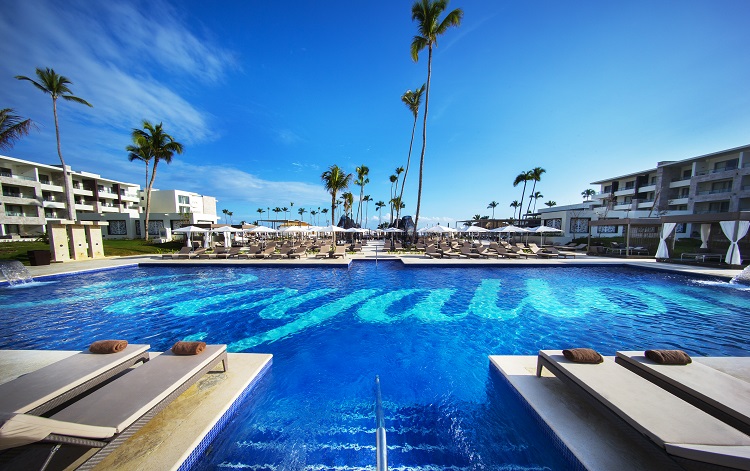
227,232
188,231
509,229
734,230
261,230
705,234
666,230
475,229
331,229
541,230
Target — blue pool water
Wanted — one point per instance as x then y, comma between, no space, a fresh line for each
425,331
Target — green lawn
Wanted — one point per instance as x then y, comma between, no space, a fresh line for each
17,250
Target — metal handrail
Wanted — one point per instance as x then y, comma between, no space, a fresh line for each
382,449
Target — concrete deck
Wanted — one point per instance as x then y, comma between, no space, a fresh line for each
598,442
170,437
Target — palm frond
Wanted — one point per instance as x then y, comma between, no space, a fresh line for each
417,44
12,128
76,99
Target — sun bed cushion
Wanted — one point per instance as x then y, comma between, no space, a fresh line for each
122,402
105,347
34,389
583,355
724,392
21,429
668,357
654,412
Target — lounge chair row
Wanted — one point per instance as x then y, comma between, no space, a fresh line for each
102,419
697,415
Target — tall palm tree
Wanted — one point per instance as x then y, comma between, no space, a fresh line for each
57,87
493,205
12,128
142,154
362,180
412,100
226,215
230,214
153,141
535,196
285,209
550,203
379,208
260,213
522,177
335,180
394,179
313,213
587,194
429,27
367,200
535,174
324,211
515,204
399,171
301,212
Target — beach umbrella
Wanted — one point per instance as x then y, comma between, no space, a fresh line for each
331,229
188,231
261,230
510,229
541,230
227,231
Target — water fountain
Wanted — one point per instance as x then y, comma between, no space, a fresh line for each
743,278
15,272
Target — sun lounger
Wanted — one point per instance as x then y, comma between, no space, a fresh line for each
688,435
715,392
183,253
267,252
324,251
46,388
466,252
297,252
484,252
106,418
339,252
503,252
559,253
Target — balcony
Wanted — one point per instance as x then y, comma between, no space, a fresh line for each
713,192
129,197
52,204
647,188
17,179
84,207
678,201
646,204
623,207
81,191
625,192
679,183
716,170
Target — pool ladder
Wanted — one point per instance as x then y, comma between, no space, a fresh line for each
382,451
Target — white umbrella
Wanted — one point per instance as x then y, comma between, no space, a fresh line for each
188,230
439,230
541,230
509,229
331,229
295,230
226,231
475,229
261,230
352,230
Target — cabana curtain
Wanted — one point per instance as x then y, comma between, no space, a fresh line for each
705,233
730,228
667,228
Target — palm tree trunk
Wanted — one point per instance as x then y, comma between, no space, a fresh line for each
533,189
520,208
148,196
333,214
67,178
408,158
424,140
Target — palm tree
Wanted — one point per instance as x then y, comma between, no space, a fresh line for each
412,100
379,208
534,196
429,27
57,87
335,180
535,174
515,204
362,180
399,171
393,179
226,212
285,209
153,141
301,212
522,177
230,214
313,213
12,128
136,152
367,200
587,194
492,206
260,212
396,203
324,211
550,203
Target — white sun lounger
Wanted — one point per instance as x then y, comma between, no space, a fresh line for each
721,395
46,388
688,435
106,418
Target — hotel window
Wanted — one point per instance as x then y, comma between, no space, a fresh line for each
721,187
183,199
579,225
607,189
730,164
44,179
5,172
687,174
630,185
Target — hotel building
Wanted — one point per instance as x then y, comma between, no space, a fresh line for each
33,193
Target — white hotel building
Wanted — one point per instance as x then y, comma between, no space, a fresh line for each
33,194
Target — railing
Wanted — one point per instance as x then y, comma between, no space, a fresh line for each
382,449
714,192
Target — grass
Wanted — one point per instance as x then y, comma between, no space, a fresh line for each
17,250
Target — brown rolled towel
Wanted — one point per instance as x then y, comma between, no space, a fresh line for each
583,355
188,348
669,357
108,346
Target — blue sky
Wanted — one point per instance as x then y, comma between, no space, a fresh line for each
266,95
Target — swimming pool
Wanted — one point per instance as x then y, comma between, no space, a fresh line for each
425,331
